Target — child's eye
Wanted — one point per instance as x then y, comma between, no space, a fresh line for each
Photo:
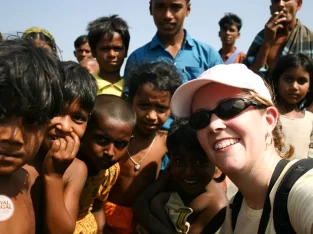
302,81
143,106
120,144
288,79
162,109
176,7
79,119
102,139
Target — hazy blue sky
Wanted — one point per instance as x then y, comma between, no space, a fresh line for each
67,19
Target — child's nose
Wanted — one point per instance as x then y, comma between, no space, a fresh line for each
65,124
109,151
152,114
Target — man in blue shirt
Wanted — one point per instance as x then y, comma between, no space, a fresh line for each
173,44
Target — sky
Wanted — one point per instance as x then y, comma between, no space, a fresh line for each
68,19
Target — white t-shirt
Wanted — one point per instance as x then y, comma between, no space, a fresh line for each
300,209
297,132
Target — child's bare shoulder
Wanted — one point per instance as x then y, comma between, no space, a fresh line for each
76,171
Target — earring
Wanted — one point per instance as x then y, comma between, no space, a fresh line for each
268,140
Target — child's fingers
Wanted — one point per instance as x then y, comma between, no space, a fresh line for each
76,144
55,147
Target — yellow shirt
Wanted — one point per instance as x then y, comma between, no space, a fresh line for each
97,187
105,87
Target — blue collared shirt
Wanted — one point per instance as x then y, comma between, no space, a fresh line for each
193,58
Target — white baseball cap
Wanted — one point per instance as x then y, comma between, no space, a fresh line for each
234,75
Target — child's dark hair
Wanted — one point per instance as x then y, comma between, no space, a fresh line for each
230,19
81,40
292,61
163,76
150,7
34,33
78,85
107,25
111,106
30,82
181,134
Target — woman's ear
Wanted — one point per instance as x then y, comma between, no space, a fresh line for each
271,117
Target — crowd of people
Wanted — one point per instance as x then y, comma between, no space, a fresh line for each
189,140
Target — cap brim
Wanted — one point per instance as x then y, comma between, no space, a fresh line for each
182,98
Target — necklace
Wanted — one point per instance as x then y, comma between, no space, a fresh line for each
137,164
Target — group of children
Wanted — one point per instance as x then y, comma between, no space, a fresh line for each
81,150
74,162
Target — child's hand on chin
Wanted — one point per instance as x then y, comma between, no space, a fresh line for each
60,156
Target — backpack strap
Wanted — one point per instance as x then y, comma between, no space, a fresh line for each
280,211
237,202
235,208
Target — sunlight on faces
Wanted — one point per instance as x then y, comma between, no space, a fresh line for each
152,107
106,141
241,140
72,119
191,170
19,143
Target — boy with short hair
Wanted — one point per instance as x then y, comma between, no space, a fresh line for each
109,41
230,26
151,87
173,44
30,96
105,143
62,173
82,48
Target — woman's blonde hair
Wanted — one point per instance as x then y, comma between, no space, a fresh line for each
278,139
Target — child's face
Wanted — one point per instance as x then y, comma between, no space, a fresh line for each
106,141
191,170
72,119
229,35
169,15
19,143
152,107
293,85
110,54
83,52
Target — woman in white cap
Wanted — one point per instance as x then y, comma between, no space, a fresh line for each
236,122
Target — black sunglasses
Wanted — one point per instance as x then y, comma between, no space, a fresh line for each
225,110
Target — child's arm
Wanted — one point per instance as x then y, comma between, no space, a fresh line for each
98,212
60,213
213,215
142,210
